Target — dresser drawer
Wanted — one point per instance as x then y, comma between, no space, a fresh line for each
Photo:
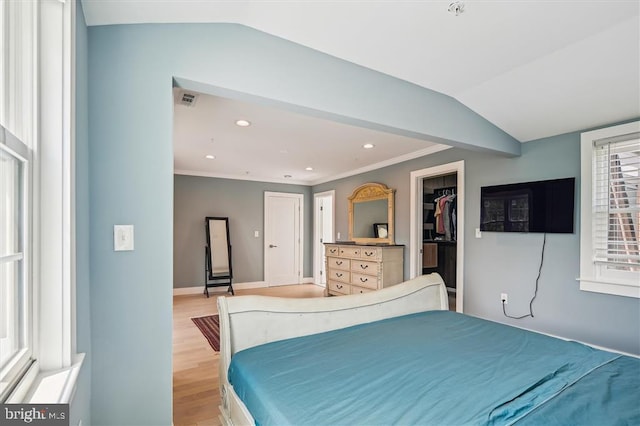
360,290
365,267
363,280
371,253
339,275
350,251
336,287
332,251
338,263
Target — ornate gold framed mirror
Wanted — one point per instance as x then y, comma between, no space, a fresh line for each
371,210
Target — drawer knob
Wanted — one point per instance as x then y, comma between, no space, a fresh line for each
364,280
338,274
364,266
338,285
339,262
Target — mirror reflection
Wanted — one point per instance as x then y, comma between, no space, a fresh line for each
366,214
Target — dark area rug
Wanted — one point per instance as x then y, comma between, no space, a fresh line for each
210,328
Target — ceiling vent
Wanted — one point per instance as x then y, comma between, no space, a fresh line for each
187,99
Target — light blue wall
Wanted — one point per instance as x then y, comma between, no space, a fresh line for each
505,262
80,407
131,68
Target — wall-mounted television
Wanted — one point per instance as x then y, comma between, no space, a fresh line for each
541,206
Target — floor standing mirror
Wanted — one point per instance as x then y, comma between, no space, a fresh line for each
218,270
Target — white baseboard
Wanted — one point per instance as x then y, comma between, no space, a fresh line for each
181,291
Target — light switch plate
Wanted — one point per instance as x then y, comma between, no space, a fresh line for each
122,237
478,233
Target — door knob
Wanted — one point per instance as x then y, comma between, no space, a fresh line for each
272,246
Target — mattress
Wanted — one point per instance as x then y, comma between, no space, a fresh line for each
436,367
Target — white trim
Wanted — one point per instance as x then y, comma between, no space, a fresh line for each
183,291
589,279
56,386
21,390
240,177
402,158
318,258
608,287
11,258
415,231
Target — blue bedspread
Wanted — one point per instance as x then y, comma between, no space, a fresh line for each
434,368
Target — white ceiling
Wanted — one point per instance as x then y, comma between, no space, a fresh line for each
278,143
533,68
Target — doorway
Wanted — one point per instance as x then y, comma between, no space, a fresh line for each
424,236
283,247
324,218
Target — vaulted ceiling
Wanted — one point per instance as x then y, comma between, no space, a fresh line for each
532,68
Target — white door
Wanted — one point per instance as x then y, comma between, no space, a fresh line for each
324,214
282,238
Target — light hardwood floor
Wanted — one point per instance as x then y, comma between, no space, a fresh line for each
195,365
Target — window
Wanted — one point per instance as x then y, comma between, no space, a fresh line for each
610,210
38,363
15,342
16,138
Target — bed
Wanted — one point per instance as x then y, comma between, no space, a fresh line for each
398,356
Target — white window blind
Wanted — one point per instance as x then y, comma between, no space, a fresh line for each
616,214
609,210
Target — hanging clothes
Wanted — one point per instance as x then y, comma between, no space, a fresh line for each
450,217
438,215
454,218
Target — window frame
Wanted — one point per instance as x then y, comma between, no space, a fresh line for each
16,366
40,107
593,278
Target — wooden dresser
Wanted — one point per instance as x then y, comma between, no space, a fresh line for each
353,268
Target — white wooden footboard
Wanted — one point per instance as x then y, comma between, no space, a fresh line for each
247,321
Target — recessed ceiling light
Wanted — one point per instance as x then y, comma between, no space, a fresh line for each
368,145
210,157
308,169
243,123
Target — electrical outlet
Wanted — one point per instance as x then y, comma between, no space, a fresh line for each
504,298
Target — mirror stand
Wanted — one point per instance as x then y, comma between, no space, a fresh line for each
218,271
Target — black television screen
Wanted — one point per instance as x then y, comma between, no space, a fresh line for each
542,206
